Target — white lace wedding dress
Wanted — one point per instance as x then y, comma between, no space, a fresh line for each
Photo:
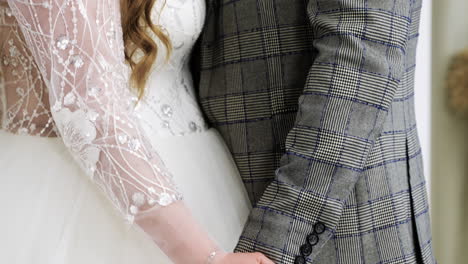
75,144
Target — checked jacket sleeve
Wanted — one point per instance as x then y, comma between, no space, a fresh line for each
349,89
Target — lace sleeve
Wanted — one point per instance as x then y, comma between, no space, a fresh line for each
78,47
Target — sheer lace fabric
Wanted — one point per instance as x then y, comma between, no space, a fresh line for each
77,46
24,99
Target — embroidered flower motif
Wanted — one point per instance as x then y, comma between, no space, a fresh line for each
78,133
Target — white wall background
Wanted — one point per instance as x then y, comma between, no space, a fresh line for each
449,162
423,85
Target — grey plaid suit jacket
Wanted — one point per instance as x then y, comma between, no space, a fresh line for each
315,100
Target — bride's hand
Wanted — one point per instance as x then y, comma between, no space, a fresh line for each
242,258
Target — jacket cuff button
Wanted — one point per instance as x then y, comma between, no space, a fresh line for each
299,260
313,239
319,228
306,250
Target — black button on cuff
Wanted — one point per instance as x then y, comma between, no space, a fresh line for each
299,260
319,228
313,239
306,250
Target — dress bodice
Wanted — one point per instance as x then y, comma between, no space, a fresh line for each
169,106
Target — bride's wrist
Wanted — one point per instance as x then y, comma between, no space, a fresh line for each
215,256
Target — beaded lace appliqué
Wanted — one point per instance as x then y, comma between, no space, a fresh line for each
77,46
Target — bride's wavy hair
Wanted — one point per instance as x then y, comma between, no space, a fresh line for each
138,28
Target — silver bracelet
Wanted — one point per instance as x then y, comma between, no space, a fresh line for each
212,256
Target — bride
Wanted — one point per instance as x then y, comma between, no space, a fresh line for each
77,142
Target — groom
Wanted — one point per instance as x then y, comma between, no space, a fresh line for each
315,100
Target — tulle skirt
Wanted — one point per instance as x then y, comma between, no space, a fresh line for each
51,213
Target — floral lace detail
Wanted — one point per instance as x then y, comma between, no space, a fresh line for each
78,133
77,46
